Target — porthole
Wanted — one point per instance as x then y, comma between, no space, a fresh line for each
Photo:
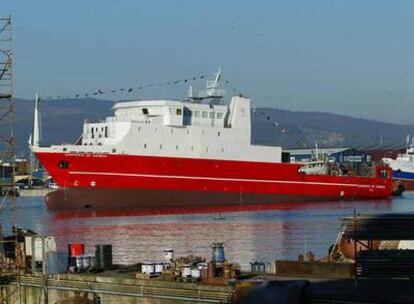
63,164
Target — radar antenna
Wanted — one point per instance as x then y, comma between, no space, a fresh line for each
213,92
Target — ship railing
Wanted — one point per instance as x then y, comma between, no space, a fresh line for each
92,120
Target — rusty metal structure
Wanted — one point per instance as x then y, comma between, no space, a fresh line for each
8,268
6,109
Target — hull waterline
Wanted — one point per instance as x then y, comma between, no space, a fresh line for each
147,199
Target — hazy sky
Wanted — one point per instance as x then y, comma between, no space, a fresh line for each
351,57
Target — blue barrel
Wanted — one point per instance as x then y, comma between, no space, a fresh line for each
218,252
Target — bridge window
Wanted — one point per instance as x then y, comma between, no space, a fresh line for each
145,111
187,112
219,115
212,114
196,113
205,114
179,112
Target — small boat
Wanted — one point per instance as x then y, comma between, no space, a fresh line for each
403,168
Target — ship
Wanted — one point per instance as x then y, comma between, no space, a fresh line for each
403,167
188,153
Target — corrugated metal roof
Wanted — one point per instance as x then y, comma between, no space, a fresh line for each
380,227
326,151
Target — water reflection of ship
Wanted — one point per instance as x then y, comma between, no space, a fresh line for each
218,210
260,235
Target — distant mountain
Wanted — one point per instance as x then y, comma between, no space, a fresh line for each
62,121
303,129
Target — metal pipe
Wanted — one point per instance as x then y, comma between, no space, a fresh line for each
127,294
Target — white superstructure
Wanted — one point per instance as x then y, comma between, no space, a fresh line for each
403,162
200,127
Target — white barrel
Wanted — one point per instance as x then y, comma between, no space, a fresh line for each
79,261
159,267
195,273
202,266
151,268
186,271
168,254
86,261
144,268
148,268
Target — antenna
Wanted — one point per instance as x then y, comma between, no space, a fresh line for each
190,92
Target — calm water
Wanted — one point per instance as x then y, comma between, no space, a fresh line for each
284,231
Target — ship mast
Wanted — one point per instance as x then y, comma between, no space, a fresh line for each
36,127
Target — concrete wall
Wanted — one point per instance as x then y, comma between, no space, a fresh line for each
315,269
112,289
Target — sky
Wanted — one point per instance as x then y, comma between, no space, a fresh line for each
349,57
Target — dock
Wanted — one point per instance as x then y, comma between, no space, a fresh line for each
113,287
36,192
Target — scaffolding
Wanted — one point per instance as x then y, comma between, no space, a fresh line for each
8,265
6,108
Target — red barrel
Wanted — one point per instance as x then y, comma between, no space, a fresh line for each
76,249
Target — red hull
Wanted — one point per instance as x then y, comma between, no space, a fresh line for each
116,181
